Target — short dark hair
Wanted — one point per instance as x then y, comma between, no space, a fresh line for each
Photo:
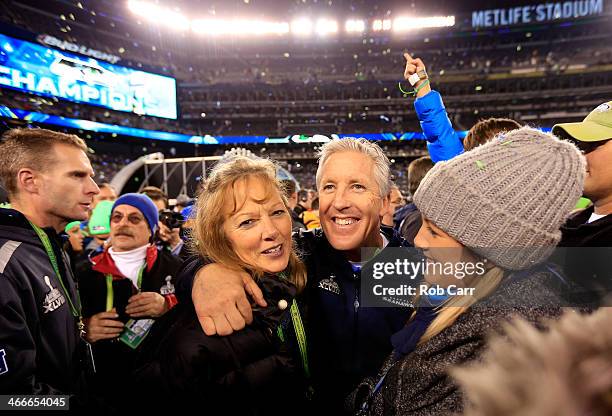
315,203
487,129
106,185
24,147
417,169
155,193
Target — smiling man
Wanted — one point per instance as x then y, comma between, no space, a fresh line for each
346,341
124,289
350,203
48,178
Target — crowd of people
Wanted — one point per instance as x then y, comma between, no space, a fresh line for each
253,298
347,87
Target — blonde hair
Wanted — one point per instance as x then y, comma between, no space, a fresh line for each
372,150
458,304
209,237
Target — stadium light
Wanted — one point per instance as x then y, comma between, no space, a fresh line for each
154,13
403,24
355,26
326,26
379,25
301,27
238,27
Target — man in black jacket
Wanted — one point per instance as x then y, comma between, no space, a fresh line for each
587,235
48,178
124,289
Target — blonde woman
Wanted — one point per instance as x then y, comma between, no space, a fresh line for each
498,207
242,222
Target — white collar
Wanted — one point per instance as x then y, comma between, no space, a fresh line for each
130,262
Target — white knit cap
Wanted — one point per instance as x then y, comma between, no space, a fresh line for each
507,198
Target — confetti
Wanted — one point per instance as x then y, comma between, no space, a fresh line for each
480,165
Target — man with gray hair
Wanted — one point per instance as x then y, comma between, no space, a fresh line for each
346,341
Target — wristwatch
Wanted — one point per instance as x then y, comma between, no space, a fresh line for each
416,77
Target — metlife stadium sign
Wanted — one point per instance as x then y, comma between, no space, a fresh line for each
30,67
536,13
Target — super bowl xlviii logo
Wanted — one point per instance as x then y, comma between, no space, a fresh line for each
3,365
168,288
54,299
330,285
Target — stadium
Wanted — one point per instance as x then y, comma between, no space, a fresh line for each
279,91
169,96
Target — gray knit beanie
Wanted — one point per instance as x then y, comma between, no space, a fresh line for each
507,198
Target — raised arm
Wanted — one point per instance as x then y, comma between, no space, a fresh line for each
442,140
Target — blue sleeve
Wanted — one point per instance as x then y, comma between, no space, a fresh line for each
442,141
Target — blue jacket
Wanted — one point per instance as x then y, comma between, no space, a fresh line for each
442,141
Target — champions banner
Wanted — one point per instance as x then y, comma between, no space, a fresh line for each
34,68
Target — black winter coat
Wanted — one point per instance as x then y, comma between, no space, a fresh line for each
113,359
40,348
251,372
347,341
585,256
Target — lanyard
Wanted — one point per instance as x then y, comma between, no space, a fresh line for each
300,335
75,310
110,295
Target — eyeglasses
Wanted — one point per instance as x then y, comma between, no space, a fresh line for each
133,219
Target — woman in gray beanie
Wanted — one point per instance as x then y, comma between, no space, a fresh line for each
498,207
